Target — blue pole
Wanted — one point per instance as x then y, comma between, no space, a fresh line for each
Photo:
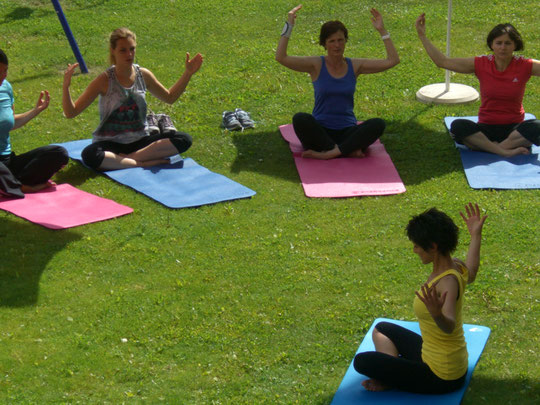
69,35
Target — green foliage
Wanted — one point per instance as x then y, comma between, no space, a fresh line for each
262,300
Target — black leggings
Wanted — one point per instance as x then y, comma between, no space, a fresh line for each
94,153
407,372
462,128
314,136
30,169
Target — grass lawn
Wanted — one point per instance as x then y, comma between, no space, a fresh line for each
262,300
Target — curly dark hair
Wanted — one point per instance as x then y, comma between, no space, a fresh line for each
502,29
433,226
331,27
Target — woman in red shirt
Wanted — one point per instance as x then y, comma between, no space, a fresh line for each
501,128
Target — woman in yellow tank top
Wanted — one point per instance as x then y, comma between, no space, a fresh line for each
436,361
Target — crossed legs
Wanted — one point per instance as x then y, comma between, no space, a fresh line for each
503,140
148,151
324,143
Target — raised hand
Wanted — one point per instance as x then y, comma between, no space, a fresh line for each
291,17
421,24
68,74
193,65
430,298
43,101
377,20
473,219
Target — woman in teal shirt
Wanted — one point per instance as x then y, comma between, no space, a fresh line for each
30,171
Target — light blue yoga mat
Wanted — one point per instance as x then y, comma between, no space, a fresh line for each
351,391
178,185
486,170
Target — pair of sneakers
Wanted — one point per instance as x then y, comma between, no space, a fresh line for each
160,124
237,120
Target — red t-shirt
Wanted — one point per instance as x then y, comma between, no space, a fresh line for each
502,92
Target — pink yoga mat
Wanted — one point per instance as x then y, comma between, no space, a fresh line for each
345,177
63,206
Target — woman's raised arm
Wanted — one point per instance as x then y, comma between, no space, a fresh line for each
459,65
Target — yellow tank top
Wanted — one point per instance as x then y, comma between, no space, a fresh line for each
445,354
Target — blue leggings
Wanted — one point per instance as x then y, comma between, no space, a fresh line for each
407,372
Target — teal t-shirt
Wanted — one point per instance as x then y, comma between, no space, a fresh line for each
7,120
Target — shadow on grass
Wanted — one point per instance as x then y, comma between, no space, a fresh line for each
264,153
32,77
419,153
75,174
490,391
21,13
27,248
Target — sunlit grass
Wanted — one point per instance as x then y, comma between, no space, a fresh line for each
262,300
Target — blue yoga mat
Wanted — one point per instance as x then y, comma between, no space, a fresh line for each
486,170
178,185
351,391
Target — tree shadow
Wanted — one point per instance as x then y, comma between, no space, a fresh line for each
419,153
32,77
21,13
483,390
27,248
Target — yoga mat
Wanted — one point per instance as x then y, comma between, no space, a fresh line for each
487,170
63,206
178,185
351,391
345,177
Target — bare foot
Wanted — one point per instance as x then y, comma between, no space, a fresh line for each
374,385
155,162
37,187
357,153
327,154
517,151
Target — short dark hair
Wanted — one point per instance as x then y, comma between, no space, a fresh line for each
3,58
433,226
502,29
329,28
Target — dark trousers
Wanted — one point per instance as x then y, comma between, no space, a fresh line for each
31,168
462,128
314,136
94,153
407,372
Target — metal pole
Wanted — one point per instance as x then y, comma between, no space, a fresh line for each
69,35
448,27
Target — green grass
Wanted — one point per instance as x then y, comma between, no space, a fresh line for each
262,300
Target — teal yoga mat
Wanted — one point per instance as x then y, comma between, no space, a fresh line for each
178,185
486,170
351,391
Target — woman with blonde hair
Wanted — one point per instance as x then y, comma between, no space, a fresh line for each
122,138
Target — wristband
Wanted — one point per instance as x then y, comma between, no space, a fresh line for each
387,36
287,30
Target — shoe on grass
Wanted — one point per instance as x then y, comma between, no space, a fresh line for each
230,121
152,122
244,118
165,124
